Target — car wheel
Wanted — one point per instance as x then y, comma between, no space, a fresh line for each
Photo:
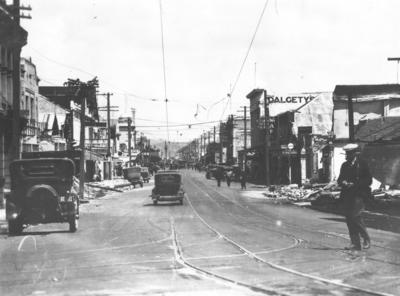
73,224
15,227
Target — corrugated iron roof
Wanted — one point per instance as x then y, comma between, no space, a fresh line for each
366,91
378,129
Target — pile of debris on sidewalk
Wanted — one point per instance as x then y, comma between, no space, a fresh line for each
98,189
380,198
290,192
327,196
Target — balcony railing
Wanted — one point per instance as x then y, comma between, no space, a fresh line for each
32,128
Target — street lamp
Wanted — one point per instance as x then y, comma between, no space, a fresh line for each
290,146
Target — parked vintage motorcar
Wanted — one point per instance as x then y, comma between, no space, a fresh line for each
133,175
211,170
144,172
42,192
168,187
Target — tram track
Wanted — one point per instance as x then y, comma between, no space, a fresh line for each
255,256
182,261
295,226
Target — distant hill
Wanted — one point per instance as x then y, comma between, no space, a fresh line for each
173,146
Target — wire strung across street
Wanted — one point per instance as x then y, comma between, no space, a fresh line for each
165,76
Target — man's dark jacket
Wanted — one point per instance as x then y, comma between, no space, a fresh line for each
359,174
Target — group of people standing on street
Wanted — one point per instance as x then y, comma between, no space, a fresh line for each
219,174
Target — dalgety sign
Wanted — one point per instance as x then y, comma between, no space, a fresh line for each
289,99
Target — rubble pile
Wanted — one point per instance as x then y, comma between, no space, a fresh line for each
99,189
387,195
290,192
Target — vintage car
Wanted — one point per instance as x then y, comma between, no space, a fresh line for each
144,172
133,175
211,171
167,187
42,192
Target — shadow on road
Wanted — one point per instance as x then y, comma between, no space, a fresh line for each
162,205
377,222
25,233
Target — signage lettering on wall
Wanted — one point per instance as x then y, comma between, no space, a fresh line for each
290,99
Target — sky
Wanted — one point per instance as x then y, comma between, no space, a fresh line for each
300,46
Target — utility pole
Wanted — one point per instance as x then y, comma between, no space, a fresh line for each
214,134
351,117
16,146
245,139
220,142
134,139
201,145
397,72
108,109
108,126
82,144
129,140
267,140
16,85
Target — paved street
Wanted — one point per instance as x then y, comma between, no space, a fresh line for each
221,241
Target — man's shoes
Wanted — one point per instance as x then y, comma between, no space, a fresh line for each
352,248
366,244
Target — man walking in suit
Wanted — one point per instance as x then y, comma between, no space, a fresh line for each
355,180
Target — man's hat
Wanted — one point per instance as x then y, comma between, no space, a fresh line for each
351,147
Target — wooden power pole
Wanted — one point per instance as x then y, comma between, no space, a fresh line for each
267,141
82,144
129,140
245,139
351,117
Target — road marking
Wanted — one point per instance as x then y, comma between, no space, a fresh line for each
215,257
23,240
115,248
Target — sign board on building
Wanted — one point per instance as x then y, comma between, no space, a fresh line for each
289,152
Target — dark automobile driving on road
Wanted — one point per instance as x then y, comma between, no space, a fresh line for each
144,172
41,192
133,175
167,187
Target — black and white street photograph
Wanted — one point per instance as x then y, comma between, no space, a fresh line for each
190,148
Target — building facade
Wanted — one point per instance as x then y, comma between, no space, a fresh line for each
29,105
370,104
12,38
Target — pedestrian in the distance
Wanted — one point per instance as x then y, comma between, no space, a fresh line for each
228,178
355,180
218,176
243,180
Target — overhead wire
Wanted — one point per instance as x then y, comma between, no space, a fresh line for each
124,92
180,125
249,48
164,70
